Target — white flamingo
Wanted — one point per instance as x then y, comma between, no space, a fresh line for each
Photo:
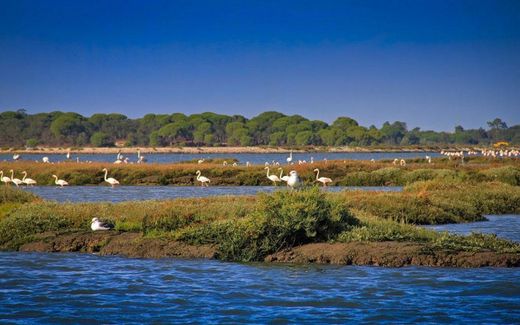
112,181
283,178
402,162
200,161
273,178
60,182
16,156
323,180
68,155
27,181
46,160
294,180
4,179
140,158
202,179
16,181
289,159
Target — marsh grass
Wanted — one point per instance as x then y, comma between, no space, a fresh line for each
345,173
247,228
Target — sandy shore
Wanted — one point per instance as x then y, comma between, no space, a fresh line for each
202,150
390,254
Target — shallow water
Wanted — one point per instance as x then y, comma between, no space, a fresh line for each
80,288
129,193
253,158
504,226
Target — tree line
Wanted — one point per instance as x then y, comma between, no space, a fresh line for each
18,129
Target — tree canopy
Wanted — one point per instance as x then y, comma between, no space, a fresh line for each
17,128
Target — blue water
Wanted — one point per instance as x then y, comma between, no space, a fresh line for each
253,158
81,288
504,226
127,193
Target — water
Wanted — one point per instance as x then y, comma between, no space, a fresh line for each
80,288
128,193
504,226
253,158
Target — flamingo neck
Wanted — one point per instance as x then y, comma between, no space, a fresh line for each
267,171
106,173
24,176
317,174
281,173
12,174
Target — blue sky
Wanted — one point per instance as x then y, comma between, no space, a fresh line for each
432,64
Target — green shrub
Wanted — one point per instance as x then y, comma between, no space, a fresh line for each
10,194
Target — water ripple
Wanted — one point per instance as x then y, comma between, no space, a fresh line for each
81,288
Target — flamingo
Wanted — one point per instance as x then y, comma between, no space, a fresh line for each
16,181
200,161
100,225
323,180
140,159
289,159
202,179
283,178
294,180
4,179
68,155
27,181
60,182
45,160
273,178
402,162
16,156
112,181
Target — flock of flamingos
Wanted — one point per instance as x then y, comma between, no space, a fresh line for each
292,180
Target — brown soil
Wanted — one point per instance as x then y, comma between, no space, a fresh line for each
391,254
116,243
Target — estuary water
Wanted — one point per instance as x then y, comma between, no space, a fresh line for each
85,289
130,193
253,158
504,226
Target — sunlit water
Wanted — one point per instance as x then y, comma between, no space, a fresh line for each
81,288
253,158
129,193
504,226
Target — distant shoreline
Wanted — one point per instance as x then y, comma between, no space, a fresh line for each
202,150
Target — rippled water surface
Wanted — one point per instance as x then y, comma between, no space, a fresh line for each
81,288
128,193
253,158
504,226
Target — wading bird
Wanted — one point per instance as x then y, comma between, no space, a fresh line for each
27,181
289,159
60,182
202,179
323,180
16,181
283,178
16,156
140,158
100,225
272,178
4,179
46,160
294,180
112,181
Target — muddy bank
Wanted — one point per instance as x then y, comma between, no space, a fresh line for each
390,254
116,243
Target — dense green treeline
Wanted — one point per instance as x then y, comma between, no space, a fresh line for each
17,128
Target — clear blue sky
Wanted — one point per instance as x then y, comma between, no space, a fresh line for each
433,64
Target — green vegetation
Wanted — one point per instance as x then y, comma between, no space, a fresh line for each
17,128
348,173
250,228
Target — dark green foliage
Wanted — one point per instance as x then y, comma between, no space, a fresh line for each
10,194
210,129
